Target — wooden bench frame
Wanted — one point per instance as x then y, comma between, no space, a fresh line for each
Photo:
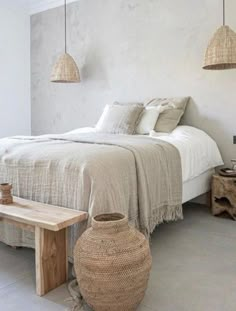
49,223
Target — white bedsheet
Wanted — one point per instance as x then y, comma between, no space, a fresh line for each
198,151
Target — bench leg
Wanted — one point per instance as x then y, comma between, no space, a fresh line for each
51,259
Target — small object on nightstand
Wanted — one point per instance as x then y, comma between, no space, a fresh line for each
227,172
5,194
233,164
224,195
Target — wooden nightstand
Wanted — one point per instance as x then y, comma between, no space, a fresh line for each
223,196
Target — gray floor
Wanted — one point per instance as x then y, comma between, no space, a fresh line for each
194,269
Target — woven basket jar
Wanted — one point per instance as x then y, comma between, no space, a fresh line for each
112,263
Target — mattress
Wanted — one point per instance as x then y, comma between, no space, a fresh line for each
197,186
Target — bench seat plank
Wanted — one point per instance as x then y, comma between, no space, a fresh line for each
45,216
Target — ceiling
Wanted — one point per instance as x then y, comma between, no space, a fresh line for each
33,6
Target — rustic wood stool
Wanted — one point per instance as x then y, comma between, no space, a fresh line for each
224,195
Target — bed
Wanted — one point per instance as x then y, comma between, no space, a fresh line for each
147,177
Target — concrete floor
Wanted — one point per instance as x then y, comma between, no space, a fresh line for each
194,269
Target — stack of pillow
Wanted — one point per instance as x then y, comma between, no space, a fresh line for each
160,115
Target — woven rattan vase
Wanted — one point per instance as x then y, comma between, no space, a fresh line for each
221,51
112,263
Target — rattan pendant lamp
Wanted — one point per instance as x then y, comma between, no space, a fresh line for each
221,51
65,69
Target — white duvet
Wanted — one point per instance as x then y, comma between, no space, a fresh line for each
198,151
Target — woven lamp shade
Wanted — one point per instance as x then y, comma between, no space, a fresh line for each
65,70
221,51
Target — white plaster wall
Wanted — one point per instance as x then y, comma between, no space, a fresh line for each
15,71
132,50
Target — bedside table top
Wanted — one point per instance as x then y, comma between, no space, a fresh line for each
218,176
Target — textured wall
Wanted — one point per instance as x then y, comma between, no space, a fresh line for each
15,71
132,50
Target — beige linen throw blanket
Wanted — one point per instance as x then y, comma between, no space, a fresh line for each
98,173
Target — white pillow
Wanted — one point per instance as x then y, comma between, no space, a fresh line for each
128,104
119,119
148,119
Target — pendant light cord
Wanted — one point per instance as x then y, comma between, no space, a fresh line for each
65,26
224,12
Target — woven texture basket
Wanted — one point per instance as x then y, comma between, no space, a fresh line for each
112,263
65,70
221,51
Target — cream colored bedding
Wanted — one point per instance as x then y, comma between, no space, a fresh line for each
98,173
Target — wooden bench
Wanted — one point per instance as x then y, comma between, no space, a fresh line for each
49,223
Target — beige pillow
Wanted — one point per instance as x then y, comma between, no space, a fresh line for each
119,119
173,110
